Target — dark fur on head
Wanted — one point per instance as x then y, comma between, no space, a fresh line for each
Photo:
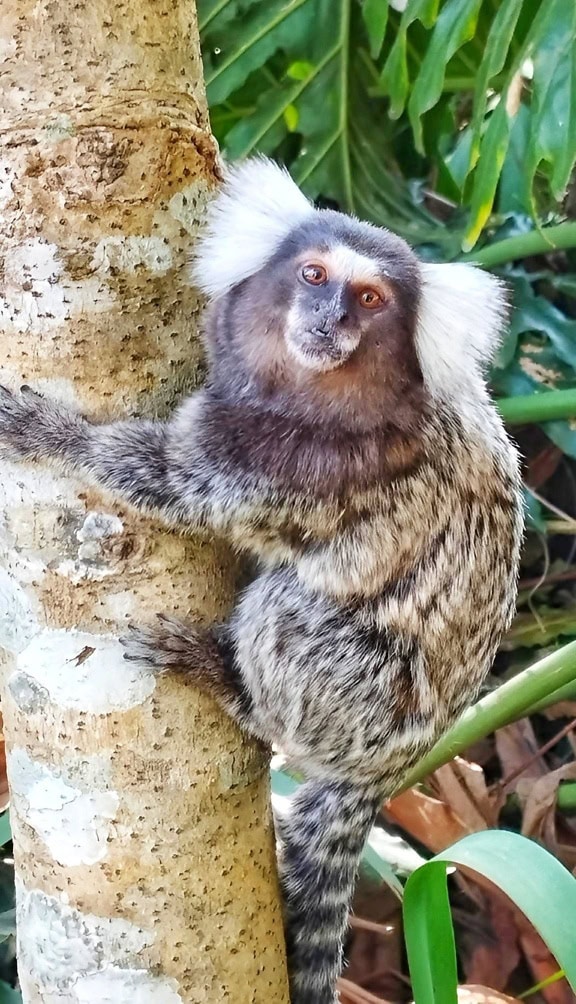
355,452
379,387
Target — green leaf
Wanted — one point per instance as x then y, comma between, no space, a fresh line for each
5,830
515,188
375,14
317,102
456,24
554,94
8,995
245,44
487,174
531,630
7,923
495,55
394,77
429,935
539,885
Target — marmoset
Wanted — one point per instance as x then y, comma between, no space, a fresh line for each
345,437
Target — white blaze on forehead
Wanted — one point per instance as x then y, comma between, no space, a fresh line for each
347,265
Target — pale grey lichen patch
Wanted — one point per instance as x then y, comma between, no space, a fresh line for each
85,671
17,619
74,824
98,525
80,958
92,561
59,127
28,694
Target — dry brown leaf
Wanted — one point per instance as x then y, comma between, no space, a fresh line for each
516,745
494,950
538,799
463,786
564,709
465,806
473,993
542,465
351,993
542,964
427,819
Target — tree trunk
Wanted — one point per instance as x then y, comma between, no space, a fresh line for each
143,837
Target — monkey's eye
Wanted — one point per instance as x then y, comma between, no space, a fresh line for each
369,298
316,275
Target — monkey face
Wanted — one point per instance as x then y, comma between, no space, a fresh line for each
340,298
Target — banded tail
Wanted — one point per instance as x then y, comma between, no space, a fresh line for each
321,842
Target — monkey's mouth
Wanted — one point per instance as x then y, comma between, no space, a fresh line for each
321,349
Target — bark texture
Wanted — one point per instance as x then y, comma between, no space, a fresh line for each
142,830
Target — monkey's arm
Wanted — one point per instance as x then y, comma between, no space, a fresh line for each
128,457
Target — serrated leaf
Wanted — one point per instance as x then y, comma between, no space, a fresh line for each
375,14
260,130
300,70
456,24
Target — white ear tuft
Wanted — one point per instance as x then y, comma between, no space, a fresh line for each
462,314
256,208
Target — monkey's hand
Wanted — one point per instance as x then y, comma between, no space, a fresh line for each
203,655
33,427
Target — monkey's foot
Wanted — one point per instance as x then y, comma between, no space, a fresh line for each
168,646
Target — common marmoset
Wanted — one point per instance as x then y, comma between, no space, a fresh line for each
345,437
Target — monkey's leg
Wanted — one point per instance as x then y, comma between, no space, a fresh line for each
204,655
127,457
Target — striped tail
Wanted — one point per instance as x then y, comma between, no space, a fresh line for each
321,842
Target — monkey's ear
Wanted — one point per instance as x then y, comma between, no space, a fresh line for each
462,314
256,208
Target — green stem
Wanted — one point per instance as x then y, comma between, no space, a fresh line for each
508,703
566,797
544,241
545,406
